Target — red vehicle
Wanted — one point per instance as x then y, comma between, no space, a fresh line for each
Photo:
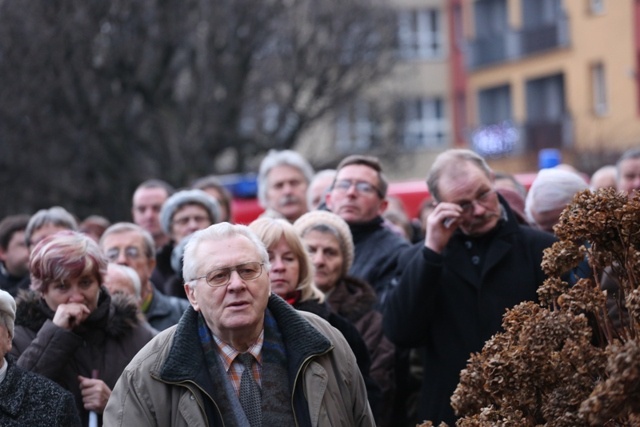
411,192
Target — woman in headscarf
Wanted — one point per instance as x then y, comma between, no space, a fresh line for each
328,240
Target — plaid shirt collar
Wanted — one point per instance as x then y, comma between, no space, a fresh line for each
234,371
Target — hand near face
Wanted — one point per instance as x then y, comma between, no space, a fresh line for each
70,315
441,224
95,394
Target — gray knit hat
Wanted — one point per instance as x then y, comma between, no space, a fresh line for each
188,197
7,310
318,218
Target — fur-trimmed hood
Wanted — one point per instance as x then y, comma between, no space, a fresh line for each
117,315
352,298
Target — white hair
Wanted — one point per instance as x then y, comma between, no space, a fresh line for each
7,311
130,274
279,158
217,232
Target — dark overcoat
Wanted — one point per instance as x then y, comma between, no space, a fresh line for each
451,303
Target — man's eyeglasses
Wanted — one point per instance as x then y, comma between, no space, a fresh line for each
362,187
467,207
222,276
130,252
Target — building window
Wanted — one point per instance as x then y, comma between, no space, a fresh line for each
424,124
596,7
599,89
494,105
420,34
355,127
490,17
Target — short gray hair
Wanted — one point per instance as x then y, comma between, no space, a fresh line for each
320,175
217,232
7,311
279,158
55,215
131,274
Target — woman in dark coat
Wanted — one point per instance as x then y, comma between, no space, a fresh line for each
69,328
291,278
328,240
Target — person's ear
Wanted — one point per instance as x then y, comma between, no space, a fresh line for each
383,206
191,296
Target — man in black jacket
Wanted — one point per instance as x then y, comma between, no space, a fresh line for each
476,262
358,195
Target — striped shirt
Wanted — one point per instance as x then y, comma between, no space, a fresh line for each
234,368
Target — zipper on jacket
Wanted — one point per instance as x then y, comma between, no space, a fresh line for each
184,384
295,381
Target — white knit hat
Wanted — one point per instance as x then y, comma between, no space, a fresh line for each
319,217
7,310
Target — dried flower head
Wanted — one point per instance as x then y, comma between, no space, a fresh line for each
561,257
567,361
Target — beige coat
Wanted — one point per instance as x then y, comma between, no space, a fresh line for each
160,386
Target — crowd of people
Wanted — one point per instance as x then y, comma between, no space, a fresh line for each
334,308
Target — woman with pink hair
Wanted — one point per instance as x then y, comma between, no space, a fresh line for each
68,327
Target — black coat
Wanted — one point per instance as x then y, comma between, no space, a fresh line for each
376,254
28,399
451,306
355,341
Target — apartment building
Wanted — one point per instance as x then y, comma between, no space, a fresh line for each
556,74
406,117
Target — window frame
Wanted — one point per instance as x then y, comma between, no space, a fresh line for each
421,34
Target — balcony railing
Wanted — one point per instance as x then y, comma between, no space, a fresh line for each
513,139
545,37
512,44
493,48
541,134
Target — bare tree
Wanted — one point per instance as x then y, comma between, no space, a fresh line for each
96,96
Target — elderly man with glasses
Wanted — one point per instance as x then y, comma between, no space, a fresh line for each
358,195
239,356
129,244
475,263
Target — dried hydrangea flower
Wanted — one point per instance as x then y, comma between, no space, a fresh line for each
561,257
561,362
619,395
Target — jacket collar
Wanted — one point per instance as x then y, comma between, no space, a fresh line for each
115,315
500,246
363,229
352,298
185,358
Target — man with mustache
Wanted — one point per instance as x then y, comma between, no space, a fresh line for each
475,263
283,180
